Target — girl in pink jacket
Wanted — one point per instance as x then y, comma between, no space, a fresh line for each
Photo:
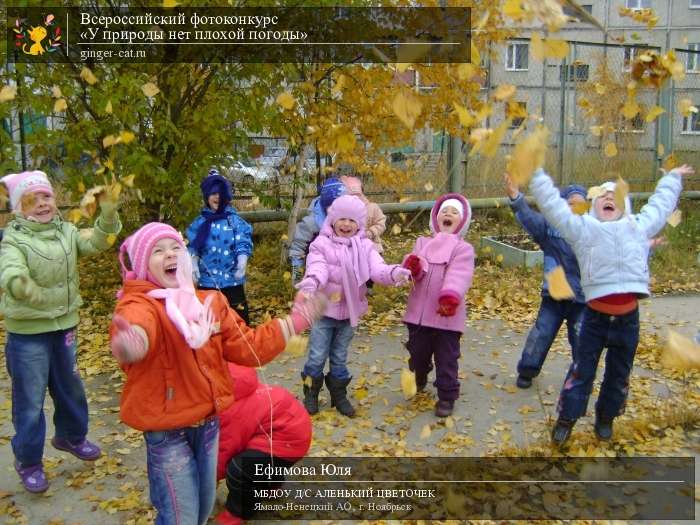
340,262
442,267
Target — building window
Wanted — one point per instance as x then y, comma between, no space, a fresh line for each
695,4
639,4
693,62
574,72
516,57
630,54
691,123
588,8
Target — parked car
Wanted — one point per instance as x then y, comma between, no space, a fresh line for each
248,172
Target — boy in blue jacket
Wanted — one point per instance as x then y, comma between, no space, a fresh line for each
557,252
612,248
221,243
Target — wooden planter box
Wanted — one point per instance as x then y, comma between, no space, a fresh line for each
512,255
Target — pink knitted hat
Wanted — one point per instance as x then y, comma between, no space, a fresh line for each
347,207
139,246
28,181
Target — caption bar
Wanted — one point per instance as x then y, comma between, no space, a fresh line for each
474,488
252,35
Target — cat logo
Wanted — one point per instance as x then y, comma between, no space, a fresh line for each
39,39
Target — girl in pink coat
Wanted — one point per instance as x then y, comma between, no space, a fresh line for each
340,262
442,267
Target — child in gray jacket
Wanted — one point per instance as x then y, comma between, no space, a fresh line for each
612,248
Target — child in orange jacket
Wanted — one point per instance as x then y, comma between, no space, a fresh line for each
173,343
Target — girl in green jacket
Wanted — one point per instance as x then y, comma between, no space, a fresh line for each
40,300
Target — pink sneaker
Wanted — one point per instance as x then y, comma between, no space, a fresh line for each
84,450
33,477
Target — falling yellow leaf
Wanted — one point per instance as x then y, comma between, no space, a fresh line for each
630,109
685,107
286,100
549,47
128,181
88,76
407,107
680,352
425,433
466,71
287,276
499,258
428,187
660,150
308,381
580,208
504,91
610,149
675,218
108,107
559,287
7,93
127,136
596,131
111,238
395,229
654,112
408,383
600,88
493,142
109,140
60,105
466,119
621,191
670,162
109,164
150,89
75,215
514,9
56,92
528,155
594,192
296,345
474,56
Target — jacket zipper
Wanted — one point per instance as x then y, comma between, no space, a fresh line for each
424,299
65,254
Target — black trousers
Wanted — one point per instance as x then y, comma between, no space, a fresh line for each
236,300
240,474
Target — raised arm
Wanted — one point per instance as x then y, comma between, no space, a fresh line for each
555,209
652,217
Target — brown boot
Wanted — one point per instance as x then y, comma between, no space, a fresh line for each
444,408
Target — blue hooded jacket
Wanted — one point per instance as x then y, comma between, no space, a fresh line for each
556,250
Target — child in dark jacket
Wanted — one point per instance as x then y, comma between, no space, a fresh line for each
557,252
266,425
442,267
612,249
221,244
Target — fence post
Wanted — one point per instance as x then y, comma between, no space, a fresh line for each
563,72
454,165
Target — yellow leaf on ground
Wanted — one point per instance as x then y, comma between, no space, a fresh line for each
296,345
287,276
360,393
150,89
108,141
425,433
680,352
654,112
56,92
610,149
526,409
127,136
81,187
449,422
408,383
170,3
396,229
128,181
504,91
111,238
286,100
7,93
621,191
407,108
549,47
559,287
685,107
675,218
88,76
108,107
60,105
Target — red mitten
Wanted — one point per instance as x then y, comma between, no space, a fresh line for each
448,305
413,264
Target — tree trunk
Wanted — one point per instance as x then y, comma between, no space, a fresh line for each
298,197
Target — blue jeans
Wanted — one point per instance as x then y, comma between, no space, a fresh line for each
620,334
329,339
35,362
182,472
549,319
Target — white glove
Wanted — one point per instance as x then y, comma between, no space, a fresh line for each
195,269
241,265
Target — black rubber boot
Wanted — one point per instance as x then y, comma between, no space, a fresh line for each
523,382
338,390
603,427
311,392
562,431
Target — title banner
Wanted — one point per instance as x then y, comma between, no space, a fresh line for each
246,34
474,488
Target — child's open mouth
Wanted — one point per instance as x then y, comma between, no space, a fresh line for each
609,207
171,269
447,222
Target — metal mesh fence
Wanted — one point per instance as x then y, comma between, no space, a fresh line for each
683,134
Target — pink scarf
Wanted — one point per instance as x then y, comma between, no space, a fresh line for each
354,272
192,319
438,250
